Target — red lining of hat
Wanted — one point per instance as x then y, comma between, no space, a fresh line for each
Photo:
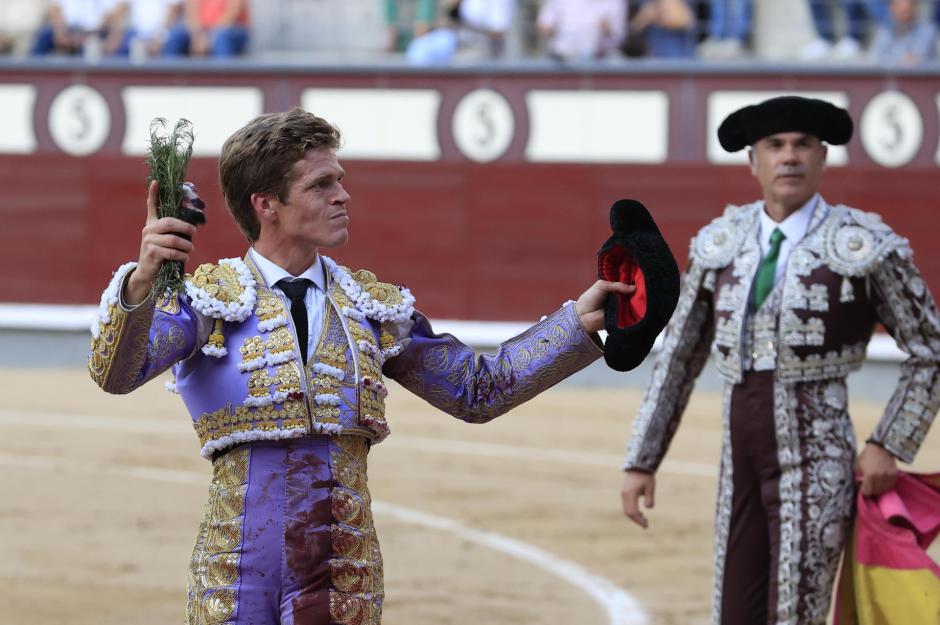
618,265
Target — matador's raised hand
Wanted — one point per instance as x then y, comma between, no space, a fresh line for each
161,239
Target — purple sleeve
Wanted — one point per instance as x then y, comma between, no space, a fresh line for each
448,375
129,347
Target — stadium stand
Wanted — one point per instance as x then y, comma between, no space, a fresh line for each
379,31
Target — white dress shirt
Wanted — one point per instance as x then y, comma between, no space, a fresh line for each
794,228
314,300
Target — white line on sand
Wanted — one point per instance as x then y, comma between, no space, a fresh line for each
621,608
414,443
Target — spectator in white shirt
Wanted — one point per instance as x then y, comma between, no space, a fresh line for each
73,24
145,24
583,29
475,27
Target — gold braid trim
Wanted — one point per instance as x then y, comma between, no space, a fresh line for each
119,351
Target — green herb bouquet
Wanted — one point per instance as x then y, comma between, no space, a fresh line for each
168,156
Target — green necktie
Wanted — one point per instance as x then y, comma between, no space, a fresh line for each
768,269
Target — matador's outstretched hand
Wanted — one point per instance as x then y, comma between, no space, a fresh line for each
590,306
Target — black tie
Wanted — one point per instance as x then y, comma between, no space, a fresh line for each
295,290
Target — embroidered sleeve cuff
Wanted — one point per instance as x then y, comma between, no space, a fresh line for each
593,337
119,339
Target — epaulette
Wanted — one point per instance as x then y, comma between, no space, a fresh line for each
224,292
380,301
716,244
857,241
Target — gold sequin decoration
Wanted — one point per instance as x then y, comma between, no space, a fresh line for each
214,566
252,348
219,281
287,378
259,383
269,308
334,355
280,340
356,572
211,426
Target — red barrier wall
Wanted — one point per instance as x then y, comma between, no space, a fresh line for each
509,239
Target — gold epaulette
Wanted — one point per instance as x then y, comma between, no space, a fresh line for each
382,292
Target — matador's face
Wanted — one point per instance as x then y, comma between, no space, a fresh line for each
789,167
313,213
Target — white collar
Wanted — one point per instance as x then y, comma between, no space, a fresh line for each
794,227
273,273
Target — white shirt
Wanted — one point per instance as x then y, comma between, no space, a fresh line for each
85,14
794,228
494,15
314,300
576,26
149,16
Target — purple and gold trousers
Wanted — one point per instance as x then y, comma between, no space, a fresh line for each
287,537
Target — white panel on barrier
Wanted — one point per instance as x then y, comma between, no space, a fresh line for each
381,124
723,103
598,126
216,112
16,119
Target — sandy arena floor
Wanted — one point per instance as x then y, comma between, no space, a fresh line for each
502,524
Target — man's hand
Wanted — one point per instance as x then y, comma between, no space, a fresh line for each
636,483
879,469
160,241
590,306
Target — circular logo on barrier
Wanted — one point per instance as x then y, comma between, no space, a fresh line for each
483,125
892,129
79,120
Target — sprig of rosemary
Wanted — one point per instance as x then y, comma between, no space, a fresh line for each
168,156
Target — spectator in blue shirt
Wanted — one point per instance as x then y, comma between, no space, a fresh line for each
906,40
848,46
729,28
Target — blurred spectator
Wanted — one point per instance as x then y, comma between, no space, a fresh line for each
144,26
19,22
400,32
583,29
907,40
475,28
76,26
212,28
668,27
729,29
849,45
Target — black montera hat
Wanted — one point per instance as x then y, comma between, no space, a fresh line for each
789,113
637,254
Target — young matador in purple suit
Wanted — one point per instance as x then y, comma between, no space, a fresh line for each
280,357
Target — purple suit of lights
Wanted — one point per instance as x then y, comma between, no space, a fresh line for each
287,535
